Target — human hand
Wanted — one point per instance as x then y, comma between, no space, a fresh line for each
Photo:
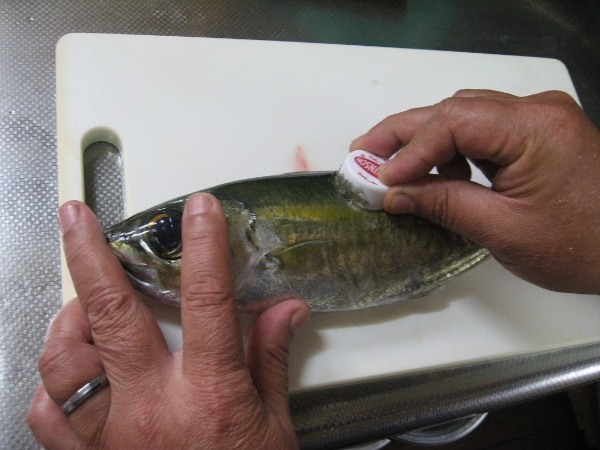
209,395
541,217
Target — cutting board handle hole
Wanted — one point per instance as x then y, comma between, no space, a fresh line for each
103,175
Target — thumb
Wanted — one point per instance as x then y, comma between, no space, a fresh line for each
267,351
469,209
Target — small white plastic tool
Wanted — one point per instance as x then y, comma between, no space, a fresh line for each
357,178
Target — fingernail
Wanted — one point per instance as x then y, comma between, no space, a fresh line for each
400,203
355,142
298,319
49,326
199,204
381,173
67,216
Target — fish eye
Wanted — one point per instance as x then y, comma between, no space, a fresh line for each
164,234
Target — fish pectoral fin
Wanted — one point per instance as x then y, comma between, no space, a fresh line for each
302,252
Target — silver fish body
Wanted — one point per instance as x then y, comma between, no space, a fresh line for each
297,235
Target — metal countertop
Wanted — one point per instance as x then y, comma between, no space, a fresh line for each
30,269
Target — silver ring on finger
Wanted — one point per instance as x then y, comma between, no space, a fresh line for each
84,393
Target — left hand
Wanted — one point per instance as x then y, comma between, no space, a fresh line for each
209,395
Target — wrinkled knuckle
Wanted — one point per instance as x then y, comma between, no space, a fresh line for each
440,207
559,117
207,305
453,112
53,359
448,107
554,105
207,291
277,357
200,236
76,255
210,289
276,363
107,305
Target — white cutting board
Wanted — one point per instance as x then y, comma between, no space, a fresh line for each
190,113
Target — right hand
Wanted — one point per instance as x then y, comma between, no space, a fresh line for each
541,217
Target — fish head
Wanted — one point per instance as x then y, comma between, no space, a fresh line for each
149,248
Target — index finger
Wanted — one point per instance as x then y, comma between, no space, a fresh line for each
124,332
480,127
393,132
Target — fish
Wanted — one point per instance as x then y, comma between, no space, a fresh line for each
299,235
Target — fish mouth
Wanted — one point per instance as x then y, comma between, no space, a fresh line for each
142,275
125,253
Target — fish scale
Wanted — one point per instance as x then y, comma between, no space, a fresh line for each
297,235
